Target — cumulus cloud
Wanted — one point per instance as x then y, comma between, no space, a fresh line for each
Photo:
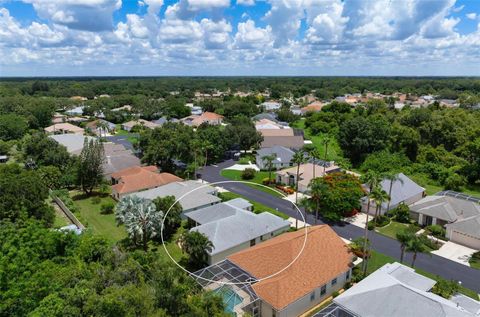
251,37
471,16
246,2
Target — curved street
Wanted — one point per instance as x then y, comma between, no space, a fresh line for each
431,263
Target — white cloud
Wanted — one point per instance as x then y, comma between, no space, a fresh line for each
471,16
284,18
246,2
251,37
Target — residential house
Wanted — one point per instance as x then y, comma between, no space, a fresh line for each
76,119
123,108
266,115
78,98
101,127
270,105
137,178
232,227
395,290
295,271
285,132
73,142
128,126
294,142
459,216
117,158
283,157
404,190
64,128
192,194
289,176
59,118
206,117
77,111
3,158
313,107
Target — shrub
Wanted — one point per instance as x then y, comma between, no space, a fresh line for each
371,225
428,243
401,213
476,256
248,173
267,181
96,200
445,288
380,221
107,208
335,294
454,182
436,231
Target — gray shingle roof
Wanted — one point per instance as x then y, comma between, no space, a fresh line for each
73,142
230,226
202,196
469,226
384,294
446,208
284,155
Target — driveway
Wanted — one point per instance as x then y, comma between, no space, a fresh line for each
120,139
450,270
241,167
455,252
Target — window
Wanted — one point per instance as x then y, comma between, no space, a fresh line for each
312,296
323,290
271,234
252,242
348,274
334,281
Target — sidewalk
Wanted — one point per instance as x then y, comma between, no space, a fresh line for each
455,252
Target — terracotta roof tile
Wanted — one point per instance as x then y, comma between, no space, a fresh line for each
138,178
324,257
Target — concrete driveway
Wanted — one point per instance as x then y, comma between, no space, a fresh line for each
358,220
241,167
455,252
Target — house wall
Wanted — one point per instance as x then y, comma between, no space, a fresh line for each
276,166
304,303
463,239
224,254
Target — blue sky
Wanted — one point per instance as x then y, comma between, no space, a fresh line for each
239,37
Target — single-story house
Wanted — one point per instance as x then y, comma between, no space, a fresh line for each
77,111
283,157
276,132
73,142
266,123
193,195
270,105
123,108
117,158
395,290
137,178
460,217
289,176
313,107
101,127
232,227
160,121
64,128
206,117
59,118
265,115
404,190
294,142
127,126
306,270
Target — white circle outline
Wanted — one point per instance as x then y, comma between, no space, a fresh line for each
233,283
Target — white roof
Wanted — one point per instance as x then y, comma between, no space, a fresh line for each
73,142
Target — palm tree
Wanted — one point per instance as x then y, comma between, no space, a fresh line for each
404,238
313,154
102,127
392,178
415,245
268,161
379,196
206,145
196,145
197,246
325,142
317,188
298,158
141,219
371,179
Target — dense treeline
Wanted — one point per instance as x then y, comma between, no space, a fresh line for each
326,87
441,144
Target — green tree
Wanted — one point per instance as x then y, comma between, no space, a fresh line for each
90,169
317,189
404,237
173,219
197,246
391,177
268,162
415,246
298,159
141,219
379,196
12,127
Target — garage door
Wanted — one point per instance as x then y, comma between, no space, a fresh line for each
465,240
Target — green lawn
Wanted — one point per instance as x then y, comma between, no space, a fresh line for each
130,136
257,207
259,176
378,260
60,221
395,227
475,263
334,151
89,214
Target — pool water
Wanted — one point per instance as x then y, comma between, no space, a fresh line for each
230,298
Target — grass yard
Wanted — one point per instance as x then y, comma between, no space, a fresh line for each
259,176
475,263
60,221
378,260
334,151
131,137
257,207
395,227
89,214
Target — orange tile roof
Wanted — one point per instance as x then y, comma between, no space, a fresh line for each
324,257
138,178
211,116
314,107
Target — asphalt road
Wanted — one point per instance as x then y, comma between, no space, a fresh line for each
120,139
431,263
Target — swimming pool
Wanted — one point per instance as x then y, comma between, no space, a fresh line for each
230,298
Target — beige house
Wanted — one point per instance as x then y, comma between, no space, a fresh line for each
141,122
64,128
289,176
